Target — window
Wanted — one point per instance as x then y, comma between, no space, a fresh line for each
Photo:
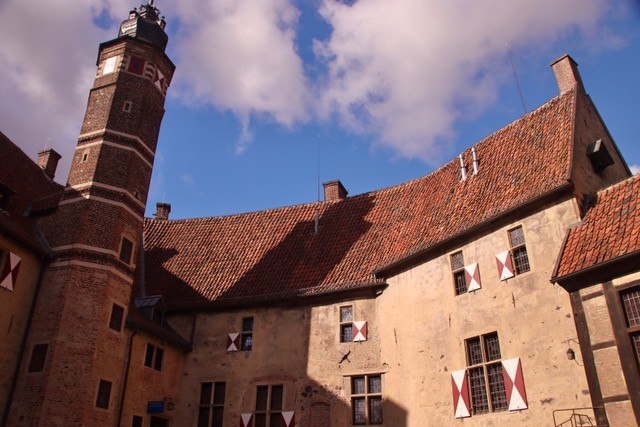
85,155
246,340
485,373
366,399
136,421
126,107
211,404
631,307
115,321
268,406
153,357
457,268
38,357
104,394
346,323
519,250
126,250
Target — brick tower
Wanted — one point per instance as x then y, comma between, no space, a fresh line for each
77,336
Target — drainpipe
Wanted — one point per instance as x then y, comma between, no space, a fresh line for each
126,378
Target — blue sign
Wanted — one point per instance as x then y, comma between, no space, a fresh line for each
155,407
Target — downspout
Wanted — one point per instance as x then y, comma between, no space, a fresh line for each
143,291
126,379
133,334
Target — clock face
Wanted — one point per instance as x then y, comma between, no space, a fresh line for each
109,65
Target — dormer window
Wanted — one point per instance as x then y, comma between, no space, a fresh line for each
599,156
152,307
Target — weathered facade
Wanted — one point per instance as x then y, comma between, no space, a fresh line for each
426,303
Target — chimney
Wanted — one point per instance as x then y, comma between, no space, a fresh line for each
334,190
566,72
48,161
463,169
163,210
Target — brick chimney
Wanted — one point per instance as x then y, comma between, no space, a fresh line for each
163,210
48,161
566,72
334,190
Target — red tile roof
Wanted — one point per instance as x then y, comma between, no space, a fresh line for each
275,253
19,173
610,229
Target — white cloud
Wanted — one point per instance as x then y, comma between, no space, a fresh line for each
47,63
635,169
401,70
239,55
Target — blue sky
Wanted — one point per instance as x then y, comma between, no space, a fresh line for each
384,91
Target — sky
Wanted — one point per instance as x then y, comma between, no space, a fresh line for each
272,97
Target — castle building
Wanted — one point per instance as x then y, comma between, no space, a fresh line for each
501,289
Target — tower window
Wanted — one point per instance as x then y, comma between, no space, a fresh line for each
38,357
104,394
126,107
115,322
126,250
85,156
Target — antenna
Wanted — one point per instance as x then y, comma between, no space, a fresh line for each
515,75
318,187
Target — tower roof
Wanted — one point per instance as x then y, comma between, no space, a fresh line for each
145,24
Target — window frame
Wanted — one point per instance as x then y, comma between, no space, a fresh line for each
492,388
121,251
100,394
246,336
269,412
458,272
632,327
154,357
367,396
518,262
212,406
37,365
346,325
112,319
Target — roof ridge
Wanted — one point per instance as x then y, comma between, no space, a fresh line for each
374,192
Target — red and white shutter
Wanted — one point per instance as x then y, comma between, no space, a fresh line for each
159,80
460,390
288,420
359,330
9,271
472,276
233,342
505,266
246,420
514,384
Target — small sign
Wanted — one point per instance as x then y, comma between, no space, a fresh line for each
155,407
